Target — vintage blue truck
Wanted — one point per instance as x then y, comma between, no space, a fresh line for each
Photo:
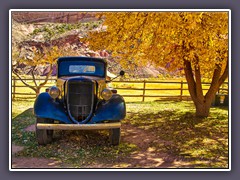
81,100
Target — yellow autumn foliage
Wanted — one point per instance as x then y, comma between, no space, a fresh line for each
165,37
196,42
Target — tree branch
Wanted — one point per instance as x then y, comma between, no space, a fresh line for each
224,75
26,84
47,77
199,91
190,80
34,80
215,82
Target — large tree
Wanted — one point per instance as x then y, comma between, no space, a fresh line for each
196,42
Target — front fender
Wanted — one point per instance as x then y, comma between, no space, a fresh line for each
46,107
112,110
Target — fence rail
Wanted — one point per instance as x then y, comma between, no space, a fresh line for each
179,88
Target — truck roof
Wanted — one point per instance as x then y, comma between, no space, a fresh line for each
79,58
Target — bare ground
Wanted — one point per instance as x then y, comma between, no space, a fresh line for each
145,157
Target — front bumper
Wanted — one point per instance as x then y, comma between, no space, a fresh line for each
98,126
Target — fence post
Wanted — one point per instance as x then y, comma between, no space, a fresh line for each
14,87
181,90
144,86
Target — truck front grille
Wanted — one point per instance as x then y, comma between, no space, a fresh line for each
80,99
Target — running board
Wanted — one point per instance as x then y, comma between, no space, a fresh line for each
78,126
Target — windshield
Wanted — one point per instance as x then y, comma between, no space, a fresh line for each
73,68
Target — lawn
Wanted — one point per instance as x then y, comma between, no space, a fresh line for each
203,143
74,148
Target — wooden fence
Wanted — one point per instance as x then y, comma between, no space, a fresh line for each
16,86
178,95
179,87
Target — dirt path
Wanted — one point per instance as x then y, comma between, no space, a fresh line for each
145,157
34,163
31,162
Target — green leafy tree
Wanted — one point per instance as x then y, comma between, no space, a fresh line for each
196,42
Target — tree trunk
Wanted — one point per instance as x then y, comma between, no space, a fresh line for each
201,102
202,109
37,91
36,88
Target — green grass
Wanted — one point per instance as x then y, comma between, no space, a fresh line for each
202,142
73,148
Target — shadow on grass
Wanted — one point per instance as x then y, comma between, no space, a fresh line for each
75,149
202,142
19,123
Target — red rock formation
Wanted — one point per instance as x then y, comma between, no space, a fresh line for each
55,17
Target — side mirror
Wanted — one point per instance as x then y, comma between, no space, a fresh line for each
122,73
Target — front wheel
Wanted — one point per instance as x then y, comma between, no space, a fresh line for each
44,136
115,136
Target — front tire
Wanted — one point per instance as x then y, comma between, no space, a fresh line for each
44,136
115,136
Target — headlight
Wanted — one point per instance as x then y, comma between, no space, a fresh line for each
54,92
106,94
